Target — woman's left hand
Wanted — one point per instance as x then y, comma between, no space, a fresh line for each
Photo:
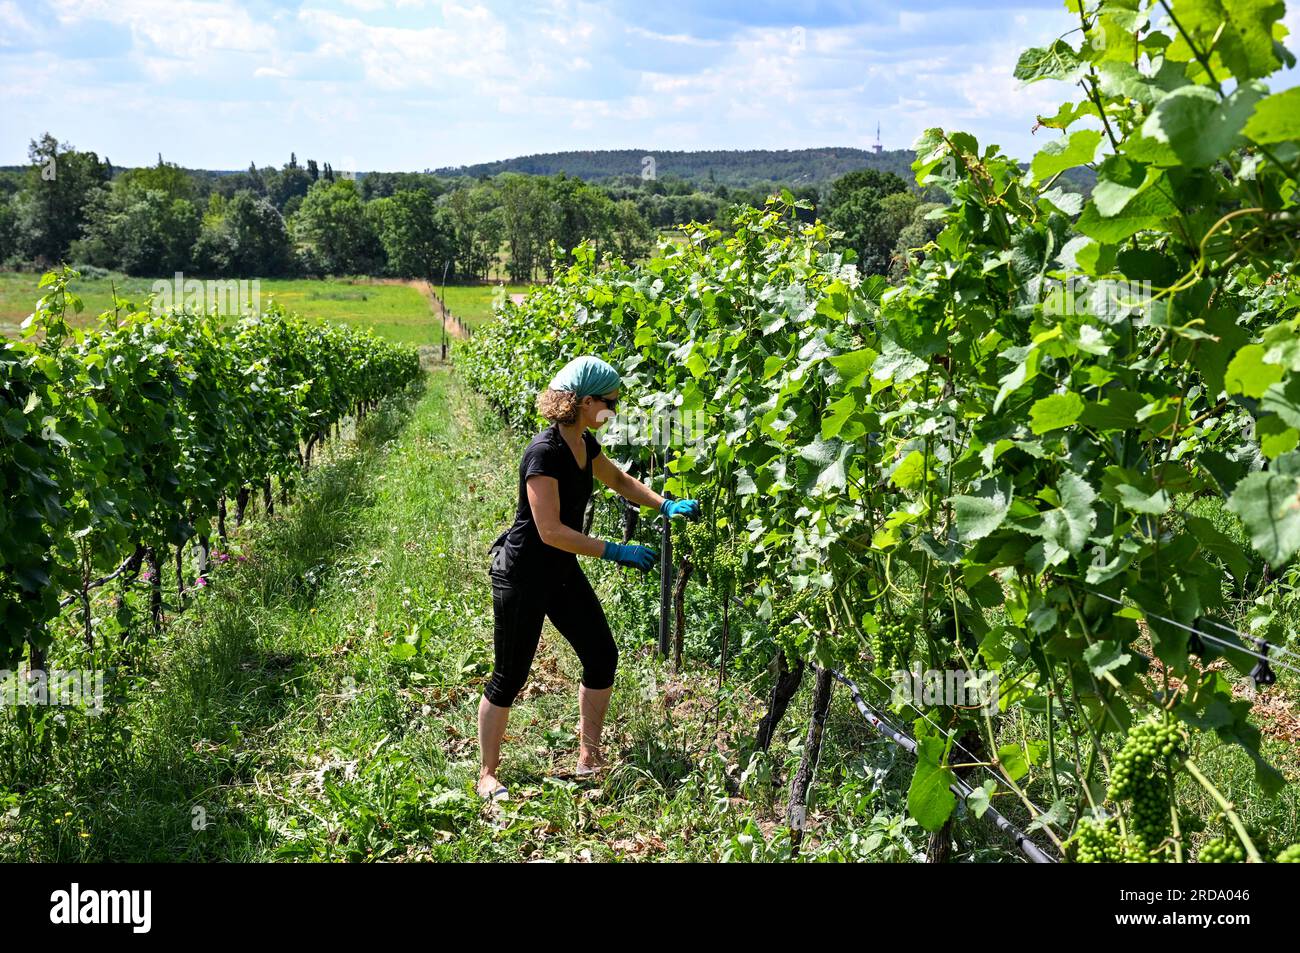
688,508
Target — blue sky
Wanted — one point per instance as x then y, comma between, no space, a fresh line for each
410,84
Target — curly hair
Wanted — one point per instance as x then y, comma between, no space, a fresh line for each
558,406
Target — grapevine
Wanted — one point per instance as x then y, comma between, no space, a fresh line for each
795,616
128,436
719,559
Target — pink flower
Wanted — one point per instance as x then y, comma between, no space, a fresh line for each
201,581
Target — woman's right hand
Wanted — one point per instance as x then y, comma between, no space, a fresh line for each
630,554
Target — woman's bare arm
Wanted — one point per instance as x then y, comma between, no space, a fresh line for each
544,499
624,484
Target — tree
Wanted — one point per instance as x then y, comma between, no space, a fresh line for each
8,229
525,211
378,185
228,185
478,228
856,206
917,233
332,221
256,183
416,234
245,238
51,207
142,232
165,177
143,223
633,236
157,235
293,182
580,213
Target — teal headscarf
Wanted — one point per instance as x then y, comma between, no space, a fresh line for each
586,376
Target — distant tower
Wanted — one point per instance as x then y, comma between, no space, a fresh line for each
878,148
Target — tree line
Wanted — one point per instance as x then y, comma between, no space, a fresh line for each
311,220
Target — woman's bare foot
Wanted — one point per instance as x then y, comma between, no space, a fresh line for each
488,785
590,760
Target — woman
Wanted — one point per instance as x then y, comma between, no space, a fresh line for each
535,570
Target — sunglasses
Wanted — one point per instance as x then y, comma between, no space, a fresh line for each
610,402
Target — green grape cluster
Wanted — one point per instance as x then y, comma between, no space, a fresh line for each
1100,842
792,610
1221,850
1139,773
719,560
1149,817
701,538
727,565
1149,746
1288,855
891,645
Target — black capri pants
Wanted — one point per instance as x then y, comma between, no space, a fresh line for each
518,610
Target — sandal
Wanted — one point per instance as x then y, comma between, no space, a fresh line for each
500,794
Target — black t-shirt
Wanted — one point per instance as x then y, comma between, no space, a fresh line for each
519,552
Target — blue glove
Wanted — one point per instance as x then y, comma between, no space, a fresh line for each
688,508
631,555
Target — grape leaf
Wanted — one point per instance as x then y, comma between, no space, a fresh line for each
979,515
929,797
1054,412
1269,506
1058,61
1066,153
1247,373
1276,118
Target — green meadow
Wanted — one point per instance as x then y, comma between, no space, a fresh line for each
473,304
393,310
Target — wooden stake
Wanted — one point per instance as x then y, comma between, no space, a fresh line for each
783,689
797,809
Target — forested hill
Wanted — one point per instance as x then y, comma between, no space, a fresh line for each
736,167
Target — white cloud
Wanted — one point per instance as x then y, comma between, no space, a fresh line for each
471,45
185,29
15,28
680,39
910,22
